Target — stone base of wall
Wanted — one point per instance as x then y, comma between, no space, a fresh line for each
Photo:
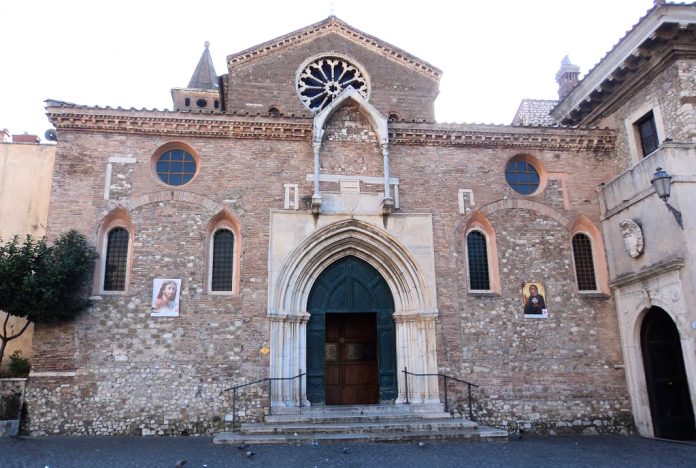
557,417
186,406
171,401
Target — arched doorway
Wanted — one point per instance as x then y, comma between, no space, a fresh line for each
665,376
351,350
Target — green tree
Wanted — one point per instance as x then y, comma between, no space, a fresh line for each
43,283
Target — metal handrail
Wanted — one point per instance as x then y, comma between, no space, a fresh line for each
446,377
270,381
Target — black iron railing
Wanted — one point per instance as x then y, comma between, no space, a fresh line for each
447,378
270,381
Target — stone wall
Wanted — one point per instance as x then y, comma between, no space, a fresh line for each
118,370
269,81
670,96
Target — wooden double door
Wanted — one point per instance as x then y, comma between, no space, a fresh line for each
351,336
350,362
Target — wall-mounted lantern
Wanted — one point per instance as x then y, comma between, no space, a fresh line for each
662,182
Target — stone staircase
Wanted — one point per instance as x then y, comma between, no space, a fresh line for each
368,423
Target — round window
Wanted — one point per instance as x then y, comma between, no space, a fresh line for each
175,167
522,176
324,78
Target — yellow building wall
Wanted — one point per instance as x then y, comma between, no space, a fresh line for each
25,188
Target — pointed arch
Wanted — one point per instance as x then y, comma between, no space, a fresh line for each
115,240
370,112
222,254
481,254
589,258
352,237
415,306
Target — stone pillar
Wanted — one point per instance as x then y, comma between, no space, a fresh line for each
385,155
316,197
288,359
416,350
388,204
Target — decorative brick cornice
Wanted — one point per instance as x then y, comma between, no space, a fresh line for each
174,123
492,136
335,25
66,116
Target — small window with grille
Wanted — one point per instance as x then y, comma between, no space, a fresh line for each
477,254
116,263
584,264
222,261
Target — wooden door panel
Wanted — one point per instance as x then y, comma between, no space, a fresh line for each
351,359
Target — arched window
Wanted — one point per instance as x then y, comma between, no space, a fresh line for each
481,255
112,270
223,247
116,260
584,264
222,270
477,255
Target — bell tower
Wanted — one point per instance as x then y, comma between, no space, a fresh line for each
202,94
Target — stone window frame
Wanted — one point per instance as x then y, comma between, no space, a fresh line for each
117,218
478,222
169,146
536,164
350,60
224,220
633,135
583,225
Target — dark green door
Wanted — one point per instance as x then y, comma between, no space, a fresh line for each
350,286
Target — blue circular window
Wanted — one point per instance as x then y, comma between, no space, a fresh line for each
522,177
176,167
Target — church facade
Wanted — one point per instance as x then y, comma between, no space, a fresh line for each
304,218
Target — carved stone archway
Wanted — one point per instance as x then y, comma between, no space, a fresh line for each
414,307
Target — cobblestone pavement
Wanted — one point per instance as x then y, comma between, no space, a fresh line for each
605,451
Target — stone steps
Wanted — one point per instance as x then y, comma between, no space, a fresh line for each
360,426
481,433
369,423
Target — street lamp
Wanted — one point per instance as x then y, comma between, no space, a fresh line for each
662,183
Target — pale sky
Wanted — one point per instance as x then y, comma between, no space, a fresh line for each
493,53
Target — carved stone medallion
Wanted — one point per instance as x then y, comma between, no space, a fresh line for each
633,237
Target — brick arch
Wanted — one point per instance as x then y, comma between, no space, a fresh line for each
173,195
516,203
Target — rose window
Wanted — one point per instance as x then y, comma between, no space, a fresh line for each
325,78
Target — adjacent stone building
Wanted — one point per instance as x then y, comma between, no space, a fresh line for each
304,215
645,88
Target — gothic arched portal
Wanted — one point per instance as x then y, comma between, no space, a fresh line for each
348,295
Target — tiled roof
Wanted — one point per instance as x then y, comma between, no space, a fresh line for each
535,112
